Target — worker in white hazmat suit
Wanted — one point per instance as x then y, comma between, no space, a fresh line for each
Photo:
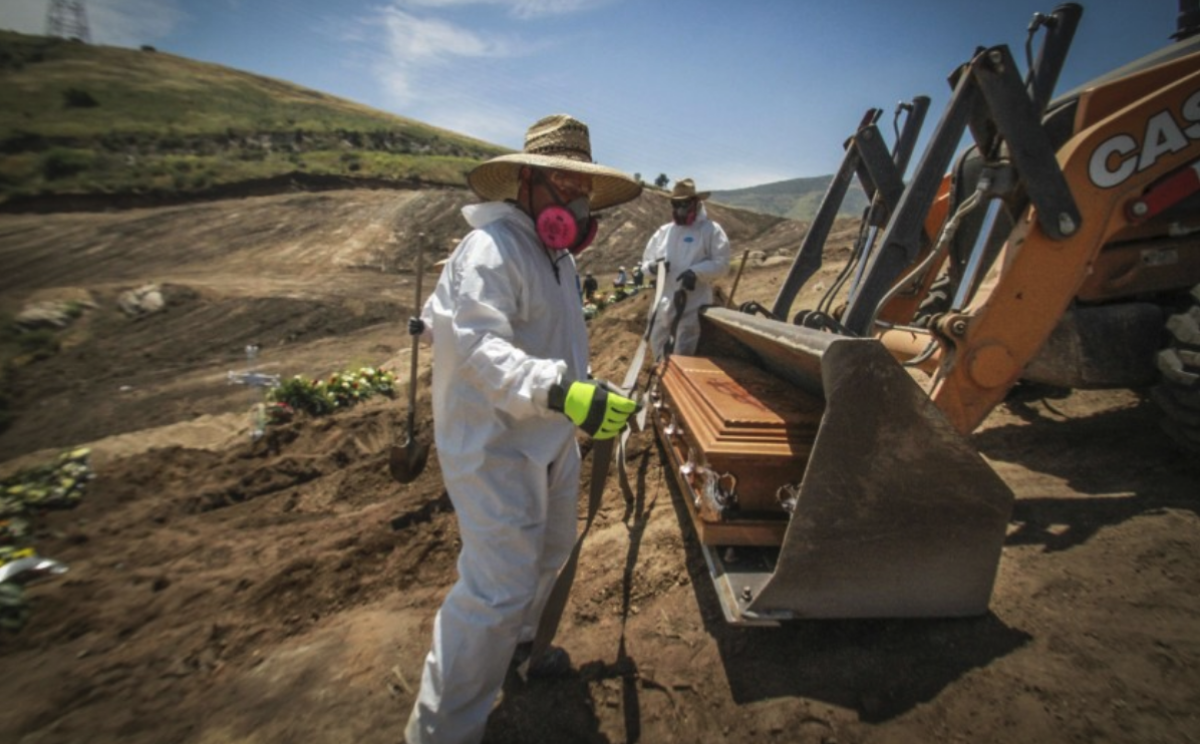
510,358
695,251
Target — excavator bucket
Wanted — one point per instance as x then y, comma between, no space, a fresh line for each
824,480
821,479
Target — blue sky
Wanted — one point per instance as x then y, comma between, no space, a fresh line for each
733,93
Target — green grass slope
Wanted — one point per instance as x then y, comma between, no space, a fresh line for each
85,119
797,198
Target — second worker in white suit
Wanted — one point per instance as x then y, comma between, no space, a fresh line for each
696,252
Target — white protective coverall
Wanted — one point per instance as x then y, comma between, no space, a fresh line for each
504,330
702,247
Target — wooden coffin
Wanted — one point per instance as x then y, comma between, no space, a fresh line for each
737,434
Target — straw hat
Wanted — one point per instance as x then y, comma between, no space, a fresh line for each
686,189
558,141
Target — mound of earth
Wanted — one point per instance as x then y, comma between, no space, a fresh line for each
223,589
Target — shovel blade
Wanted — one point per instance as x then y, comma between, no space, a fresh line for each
407,461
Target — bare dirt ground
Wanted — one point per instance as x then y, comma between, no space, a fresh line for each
228,591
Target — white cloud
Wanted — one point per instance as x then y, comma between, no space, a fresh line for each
537,8
413,39
453,69
428,61
517,8
498,127
417,56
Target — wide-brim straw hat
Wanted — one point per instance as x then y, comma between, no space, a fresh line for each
560,142
685,188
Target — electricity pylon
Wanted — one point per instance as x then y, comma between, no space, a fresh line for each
67,18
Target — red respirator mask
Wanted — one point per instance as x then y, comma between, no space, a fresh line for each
567,226
684,212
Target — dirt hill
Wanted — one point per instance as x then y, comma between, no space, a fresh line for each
228,591
317,280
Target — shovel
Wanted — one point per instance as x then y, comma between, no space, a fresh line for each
406,461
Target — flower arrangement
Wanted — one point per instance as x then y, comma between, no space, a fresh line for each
23,497
301,394
601,300
279,412
55,485
318,397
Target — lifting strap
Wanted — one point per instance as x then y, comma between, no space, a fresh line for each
602,452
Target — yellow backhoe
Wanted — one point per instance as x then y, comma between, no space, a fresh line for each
824,453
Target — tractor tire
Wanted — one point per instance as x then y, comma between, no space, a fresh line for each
1178,392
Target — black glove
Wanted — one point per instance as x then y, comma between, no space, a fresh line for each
416,326
689,280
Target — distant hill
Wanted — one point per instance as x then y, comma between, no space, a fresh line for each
89,126
87,119
797,199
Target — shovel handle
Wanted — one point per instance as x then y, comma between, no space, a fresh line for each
416,344
738,278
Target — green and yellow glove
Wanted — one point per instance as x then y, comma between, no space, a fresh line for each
594,407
